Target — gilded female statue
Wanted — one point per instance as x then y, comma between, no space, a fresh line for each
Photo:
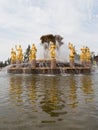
19,53
52,50
33,51
72,51
13,56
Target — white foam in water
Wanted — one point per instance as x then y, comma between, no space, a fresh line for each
96,70
4,70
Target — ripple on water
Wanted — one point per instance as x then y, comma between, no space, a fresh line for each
48,102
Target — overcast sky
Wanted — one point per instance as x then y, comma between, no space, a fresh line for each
23,22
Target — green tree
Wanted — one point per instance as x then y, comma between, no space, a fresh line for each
1,64
26,54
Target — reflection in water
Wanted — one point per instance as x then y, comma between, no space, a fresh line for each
23,91
38,92
73,92
32,90
16,89
36,100
52,101
45,92
87,88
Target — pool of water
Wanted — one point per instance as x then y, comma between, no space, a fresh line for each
48,102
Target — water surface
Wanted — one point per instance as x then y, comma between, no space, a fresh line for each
44,102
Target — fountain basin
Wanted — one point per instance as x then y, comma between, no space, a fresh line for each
44,67
68,70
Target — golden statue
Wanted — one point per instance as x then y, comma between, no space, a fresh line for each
88,54
33,51
13,56
82,55
52,50
72,51
19,53
85,55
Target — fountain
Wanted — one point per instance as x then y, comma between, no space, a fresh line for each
50,64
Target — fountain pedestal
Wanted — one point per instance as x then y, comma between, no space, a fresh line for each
33,63
18,64
83,63
53,63
88,64
71,62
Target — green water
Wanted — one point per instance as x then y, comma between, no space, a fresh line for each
48,102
